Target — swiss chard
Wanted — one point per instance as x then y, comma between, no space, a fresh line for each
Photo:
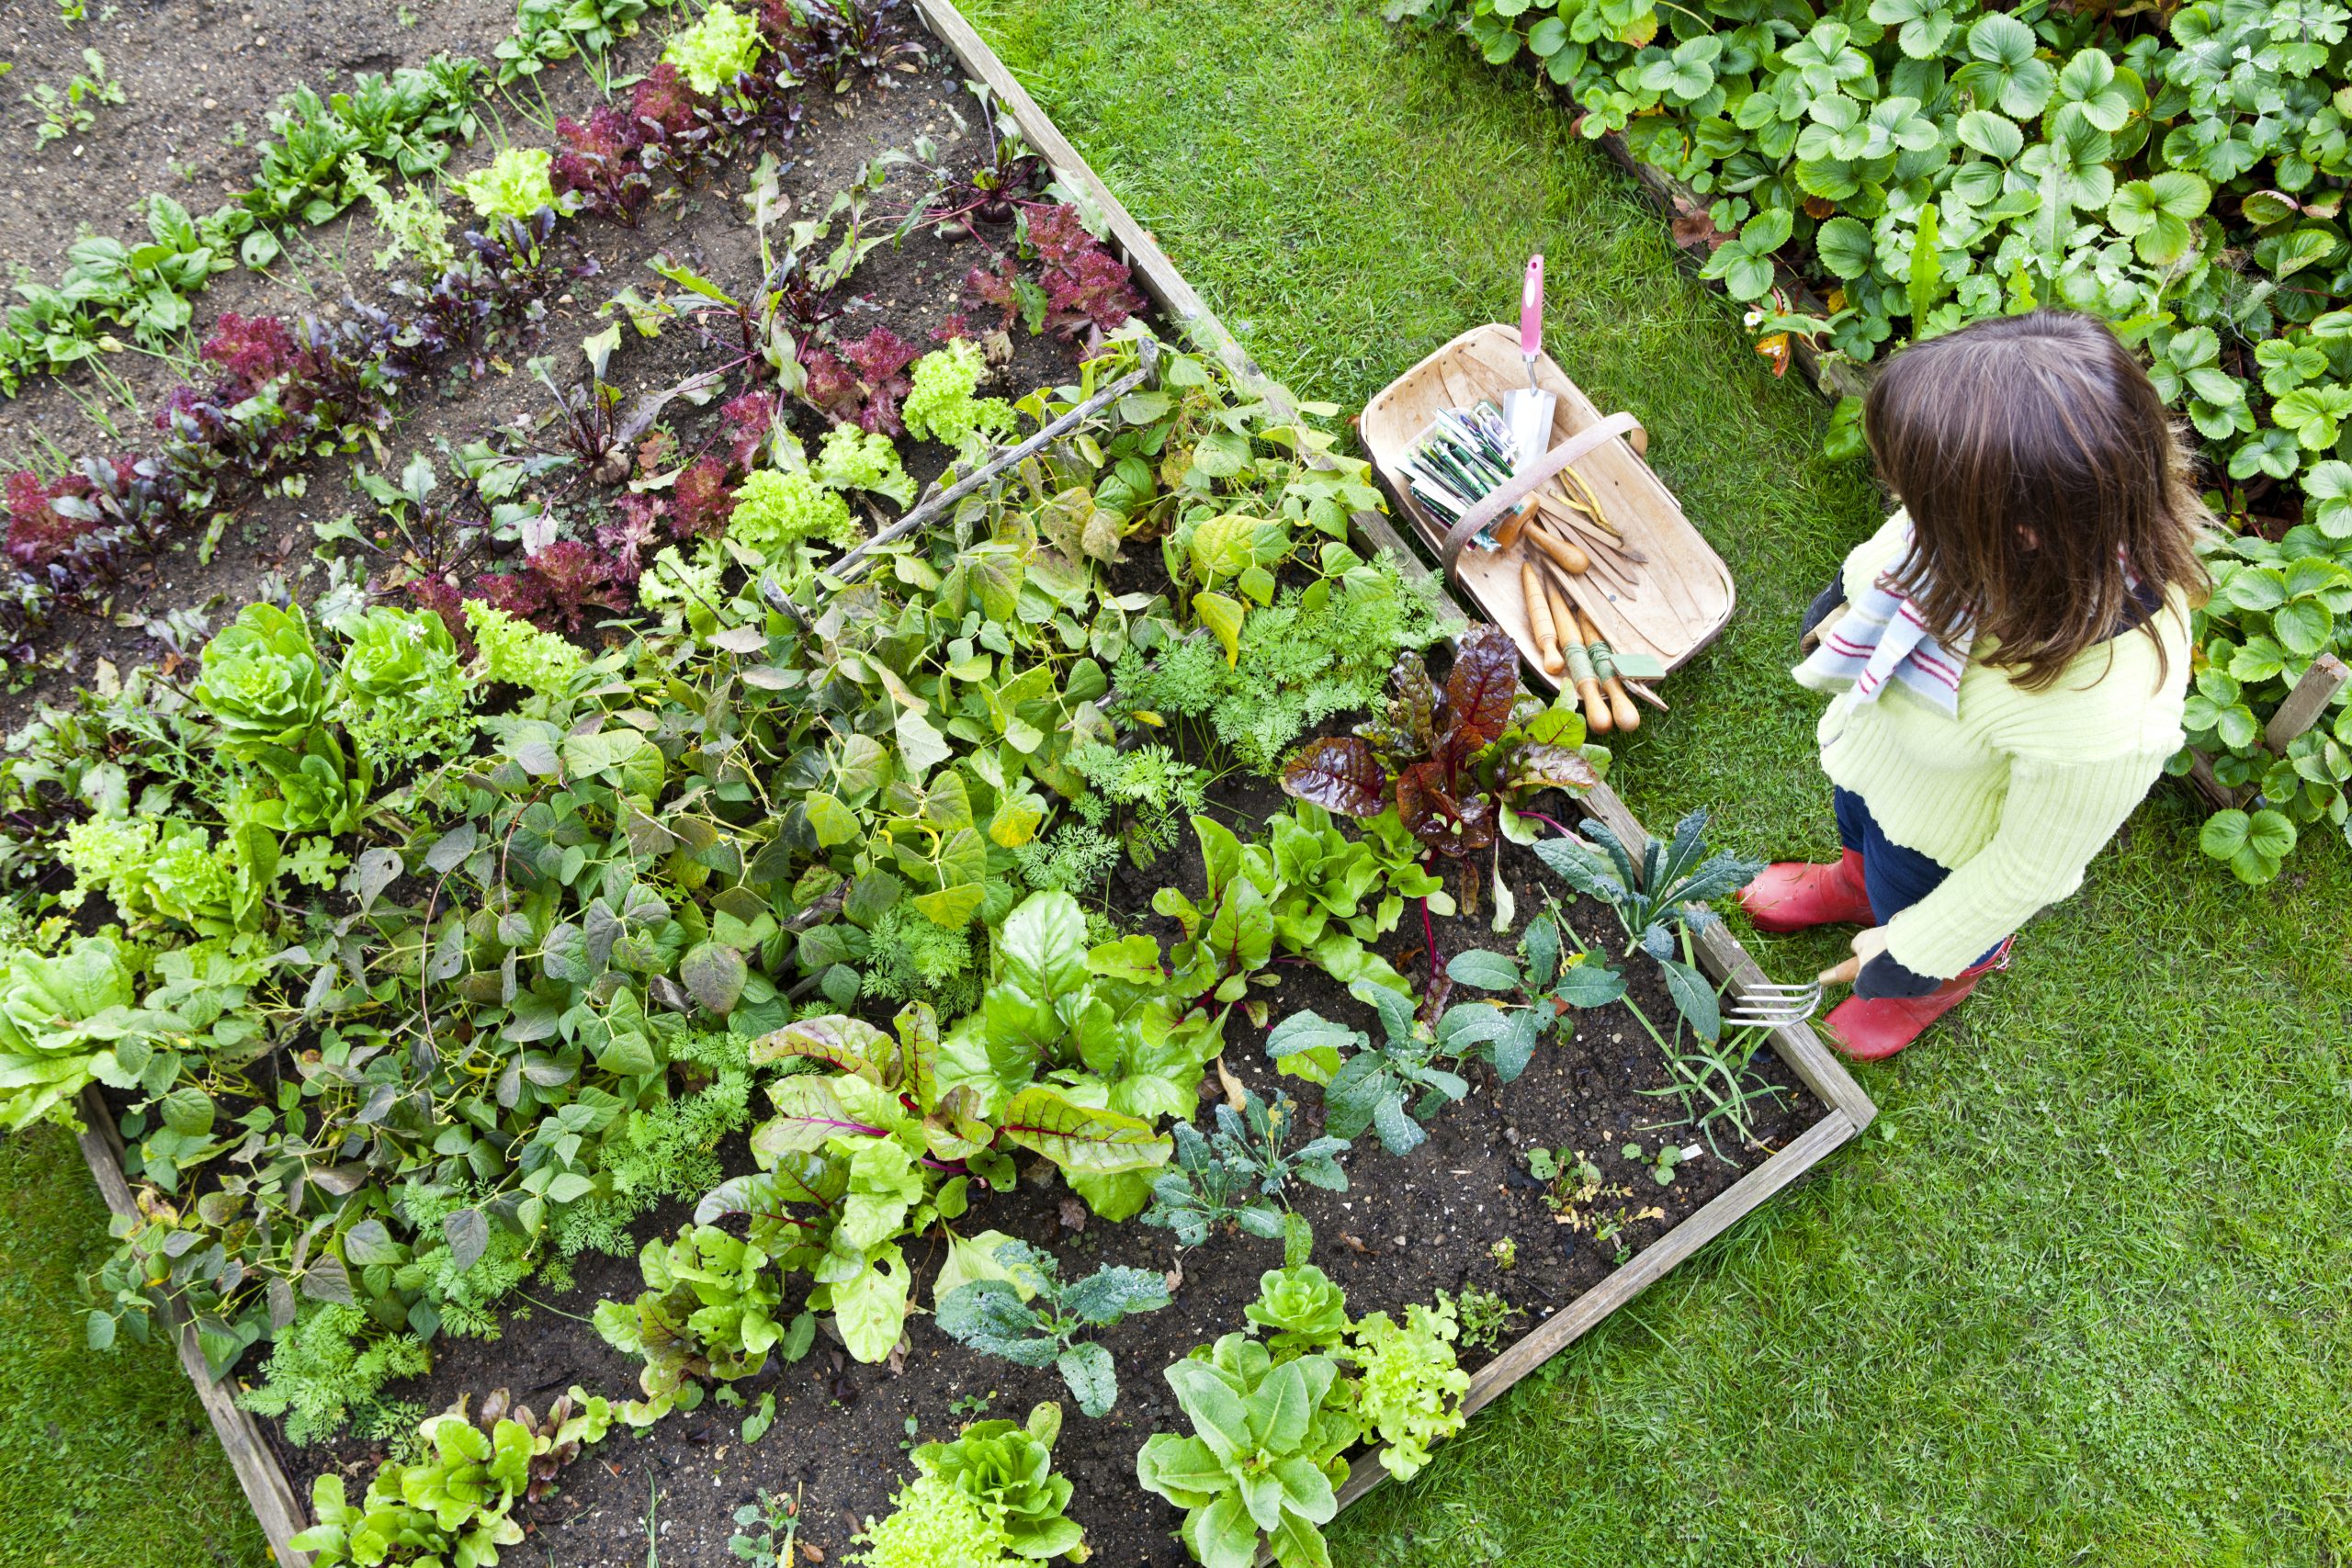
1439,757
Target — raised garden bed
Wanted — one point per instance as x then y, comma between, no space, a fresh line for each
1437,1219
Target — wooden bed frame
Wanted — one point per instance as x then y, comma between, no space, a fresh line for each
277,1504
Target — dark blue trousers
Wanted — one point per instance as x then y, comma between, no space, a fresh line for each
1895,879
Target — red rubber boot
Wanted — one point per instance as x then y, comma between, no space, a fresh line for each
1871,1029
1795,897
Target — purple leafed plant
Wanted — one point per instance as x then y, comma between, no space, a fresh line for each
560,584
600,164
1447,759
701,499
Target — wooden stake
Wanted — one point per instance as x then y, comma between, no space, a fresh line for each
2304,704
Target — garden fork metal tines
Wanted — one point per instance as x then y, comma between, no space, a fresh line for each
1766,1004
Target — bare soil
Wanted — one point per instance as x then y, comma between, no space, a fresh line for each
108,411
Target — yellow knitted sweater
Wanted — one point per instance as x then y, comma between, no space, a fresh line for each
2018,791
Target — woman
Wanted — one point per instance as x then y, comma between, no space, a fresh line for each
2010,657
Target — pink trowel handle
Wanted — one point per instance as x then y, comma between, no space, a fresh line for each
1531,312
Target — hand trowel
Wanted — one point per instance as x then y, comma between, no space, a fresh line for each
1528,411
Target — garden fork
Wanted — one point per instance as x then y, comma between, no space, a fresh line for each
1766,1004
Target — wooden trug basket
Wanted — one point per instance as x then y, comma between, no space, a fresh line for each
1685,594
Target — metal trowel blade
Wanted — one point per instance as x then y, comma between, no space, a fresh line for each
1528,411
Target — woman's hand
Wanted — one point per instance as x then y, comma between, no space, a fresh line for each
1868,945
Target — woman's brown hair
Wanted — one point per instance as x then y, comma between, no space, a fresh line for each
2037,464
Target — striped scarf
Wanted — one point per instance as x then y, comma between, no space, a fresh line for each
1880,640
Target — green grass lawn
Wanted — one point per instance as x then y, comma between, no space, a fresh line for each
106,1461
2080,1295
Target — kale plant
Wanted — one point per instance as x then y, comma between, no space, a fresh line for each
1372,1083
1236,1176
1662,897
1029,1318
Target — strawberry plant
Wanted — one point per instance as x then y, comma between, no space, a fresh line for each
1922,163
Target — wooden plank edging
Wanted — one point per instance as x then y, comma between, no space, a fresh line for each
272,1495
1564,1327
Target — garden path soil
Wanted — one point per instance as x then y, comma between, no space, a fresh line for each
1405,1229
193,71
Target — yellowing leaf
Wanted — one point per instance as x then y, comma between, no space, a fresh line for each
1222,615
1015,822
833,822
951,907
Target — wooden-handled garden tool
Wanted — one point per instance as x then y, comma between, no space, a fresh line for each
1604,666
1576,660
1539,619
